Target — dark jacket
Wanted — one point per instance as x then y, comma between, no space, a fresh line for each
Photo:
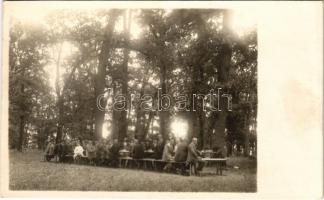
114,151
158,150
192,153
138,151
181,152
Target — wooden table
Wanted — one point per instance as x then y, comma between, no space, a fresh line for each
220,164
147,161
125,159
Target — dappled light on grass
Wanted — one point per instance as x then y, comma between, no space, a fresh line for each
27,172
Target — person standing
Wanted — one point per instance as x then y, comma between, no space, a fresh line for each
114,153
100,151
181,154
138,150
181,151
193,158
158,150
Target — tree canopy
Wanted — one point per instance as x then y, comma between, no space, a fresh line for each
58,70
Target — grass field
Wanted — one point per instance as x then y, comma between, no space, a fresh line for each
28,172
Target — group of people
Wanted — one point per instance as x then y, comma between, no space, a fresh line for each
107,152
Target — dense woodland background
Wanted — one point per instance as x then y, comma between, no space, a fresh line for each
184,51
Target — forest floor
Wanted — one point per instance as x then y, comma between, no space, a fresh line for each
29,172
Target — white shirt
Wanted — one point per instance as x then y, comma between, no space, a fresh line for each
78,151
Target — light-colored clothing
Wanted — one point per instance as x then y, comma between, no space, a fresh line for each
50,149
78,151
167,152
91,151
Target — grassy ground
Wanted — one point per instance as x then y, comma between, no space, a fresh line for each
27,172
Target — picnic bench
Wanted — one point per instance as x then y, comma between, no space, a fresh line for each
123,161
149,163
153,164
70,159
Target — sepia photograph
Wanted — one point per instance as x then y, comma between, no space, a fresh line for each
195,100
136,99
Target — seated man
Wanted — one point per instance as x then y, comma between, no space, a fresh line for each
91,152
60,149
100,153
78,152
57,151
181,154
114,153
168,151
49,151
131,147
106,152
148,145
181,151
158,149
138,150
67,151
168,155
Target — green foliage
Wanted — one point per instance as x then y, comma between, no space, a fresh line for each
30,95
180,50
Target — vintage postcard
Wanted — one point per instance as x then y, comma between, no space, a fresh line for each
189,99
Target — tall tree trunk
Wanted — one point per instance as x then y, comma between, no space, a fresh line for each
151,117
100,77
60,92
59,133
22,117
193,123
211,125
123,116
197,111
59,103
201,129
225,63
21,133
138,123
147,124
164,114
115,116
200,109
247,119
139,113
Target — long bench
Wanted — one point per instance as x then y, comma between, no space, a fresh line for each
154,164
159,164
